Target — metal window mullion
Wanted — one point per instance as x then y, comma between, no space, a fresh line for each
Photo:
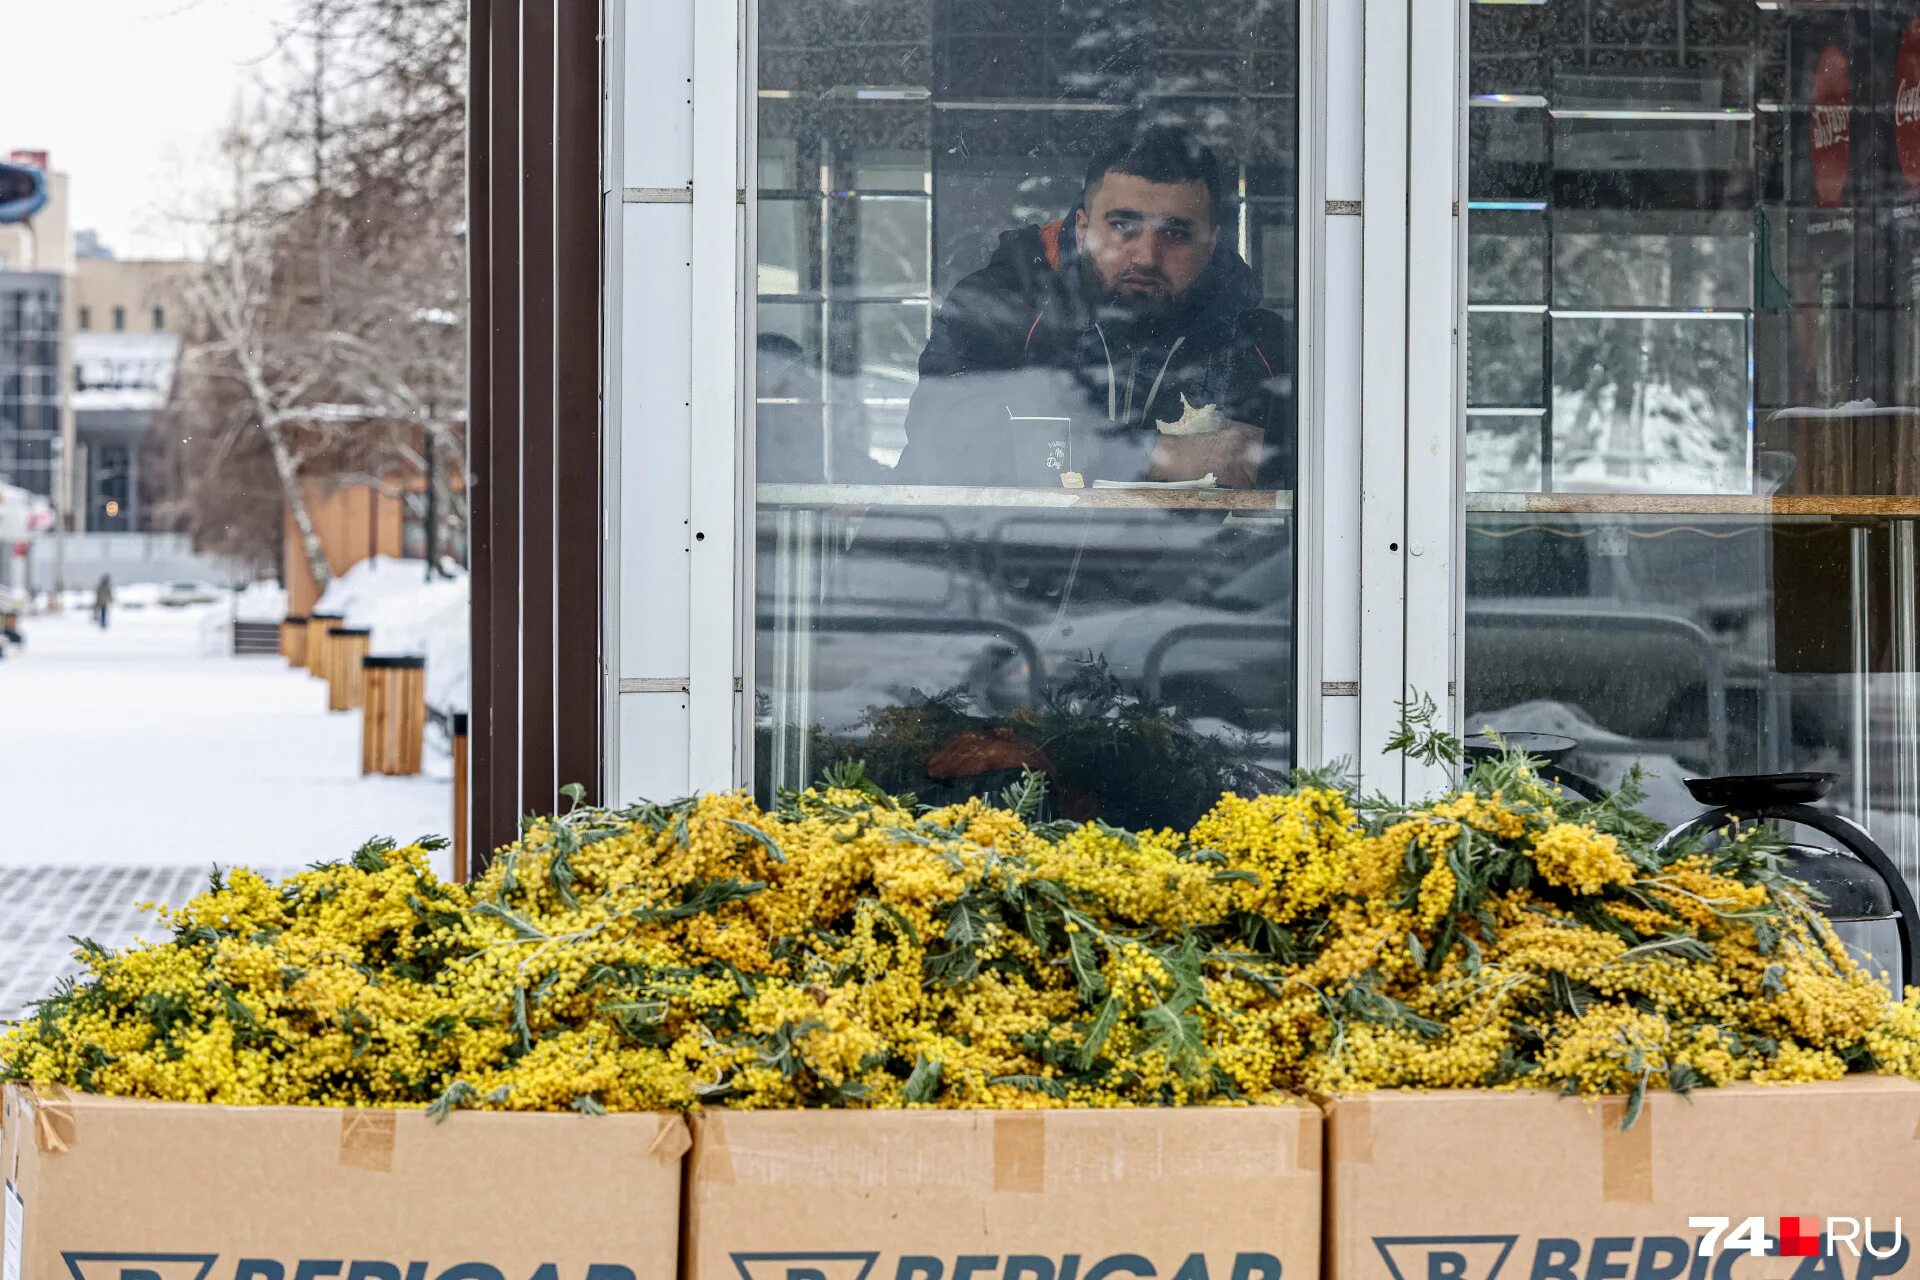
1340,377
1309,308
714,324
613,106
1436,391
1383,404
747,375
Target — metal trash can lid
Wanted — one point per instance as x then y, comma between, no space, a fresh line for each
1760,790
403,662
349,631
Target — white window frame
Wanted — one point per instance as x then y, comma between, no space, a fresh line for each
1412,466
1379,597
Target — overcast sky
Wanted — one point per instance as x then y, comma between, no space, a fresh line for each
129,96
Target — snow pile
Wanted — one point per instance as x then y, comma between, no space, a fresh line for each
409,615
261,602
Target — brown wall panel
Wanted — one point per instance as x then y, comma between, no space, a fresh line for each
578,342
536,267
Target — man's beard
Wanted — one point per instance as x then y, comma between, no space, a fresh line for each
1144,308
1117,304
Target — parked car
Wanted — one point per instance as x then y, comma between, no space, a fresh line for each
194,591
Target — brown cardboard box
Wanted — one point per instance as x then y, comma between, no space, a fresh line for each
1532,1186
112,1189
1193,1194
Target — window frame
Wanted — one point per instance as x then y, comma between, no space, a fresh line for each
1412,466
1381,169
738,28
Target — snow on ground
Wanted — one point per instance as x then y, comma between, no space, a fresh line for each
134,745
133,760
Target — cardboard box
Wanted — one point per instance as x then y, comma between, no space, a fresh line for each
113,1189
1477,1185
1190,1194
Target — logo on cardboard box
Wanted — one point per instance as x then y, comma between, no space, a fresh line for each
200,1266
1865,1252
993,1266
140,1266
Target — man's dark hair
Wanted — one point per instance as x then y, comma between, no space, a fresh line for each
1164,153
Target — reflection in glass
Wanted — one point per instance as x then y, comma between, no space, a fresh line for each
1650,402
1024,411
1504,449
1504,347
1700,555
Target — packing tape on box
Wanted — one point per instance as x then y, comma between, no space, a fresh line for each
1309,1141
1353,1131
366,1140
712,1163
55,1128
671,1140
1626,1157
1020,1153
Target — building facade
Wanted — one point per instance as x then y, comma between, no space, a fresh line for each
32,361
125,318
36,278
113,344
1596,396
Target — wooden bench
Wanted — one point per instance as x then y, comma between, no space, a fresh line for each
257,637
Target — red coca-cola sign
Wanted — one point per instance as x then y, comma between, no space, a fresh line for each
1906,104
1832,127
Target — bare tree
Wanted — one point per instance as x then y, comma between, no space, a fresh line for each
329,317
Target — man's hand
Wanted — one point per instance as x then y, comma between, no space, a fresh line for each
1232,454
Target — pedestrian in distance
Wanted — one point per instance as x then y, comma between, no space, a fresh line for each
103,599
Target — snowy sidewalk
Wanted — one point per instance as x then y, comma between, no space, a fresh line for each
133,760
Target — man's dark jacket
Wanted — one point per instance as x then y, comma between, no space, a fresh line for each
1022,338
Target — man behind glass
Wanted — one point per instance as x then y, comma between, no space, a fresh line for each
1131,328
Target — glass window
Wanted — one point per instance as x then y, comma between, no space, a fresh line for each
1024,413
29,380
1692,440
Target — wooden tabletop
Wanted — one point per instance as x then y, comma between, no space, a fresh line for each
1692,504
926,495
